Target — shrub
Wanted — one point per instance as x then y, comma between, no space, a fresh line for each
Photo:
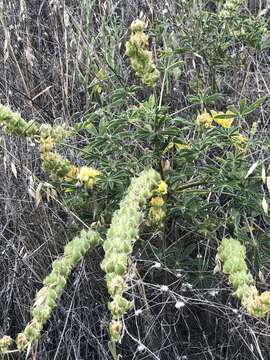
200,176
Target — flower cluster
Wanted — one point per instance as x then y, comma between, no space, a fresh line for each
161,189
56,134
230,8
225,120
72,174
157,212
48,136
204,119
259,305
14,124
55,165
118,245
88,176
59,168
140,57
46,144
48,296
233,256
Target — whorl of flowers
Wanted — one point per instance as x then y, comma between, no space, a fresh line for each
230,8
53,285
119,243
233,256
140,57
56,133
59,168
88,176
55,165
157,210
259,305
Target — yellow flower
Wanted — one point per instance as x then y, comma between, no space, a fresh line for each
259,305
115,329
52,157
226,123
239,140
101,74
88,175
162,188
157,201
205,119
157,214
87,172
168,147
46,144
72,173
139,39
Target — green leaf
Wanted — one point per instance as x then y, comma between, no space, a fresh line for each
224,116
212,98
249,109
102,127
242,105
193,99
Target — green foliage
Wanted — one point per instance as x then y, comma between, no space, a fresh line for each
251,31
215,42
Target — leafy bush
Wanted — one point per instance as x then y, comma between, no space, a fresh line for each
198,172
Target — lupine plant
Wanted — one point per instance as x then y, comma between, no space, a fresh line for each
123,233
118,245
206,158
